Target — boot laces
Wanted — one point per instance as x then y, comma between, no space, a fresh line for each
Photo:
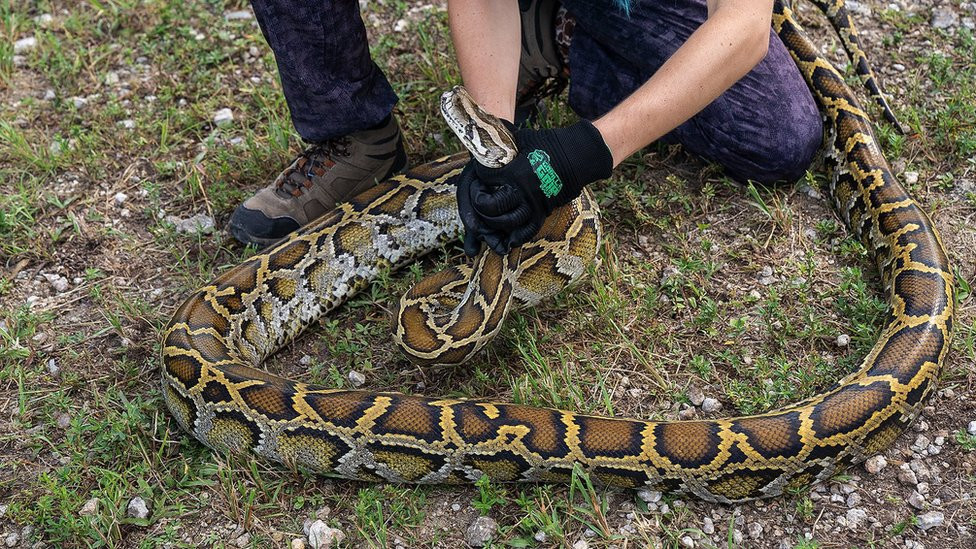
314,162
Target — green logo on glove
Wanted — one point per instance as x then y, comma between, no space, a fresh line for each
549,181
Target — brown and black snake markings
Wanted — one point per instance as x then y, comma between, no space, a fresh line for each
222,333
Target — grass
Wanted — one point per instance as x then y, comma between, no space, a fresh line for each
680,298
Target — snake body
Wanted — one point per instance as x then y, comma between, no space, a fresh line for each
220,335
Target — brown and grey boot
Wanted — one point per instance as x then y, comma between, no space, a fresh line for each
321,177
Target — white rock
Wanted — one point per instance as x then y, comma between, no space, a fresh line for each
708,527
581,544
696,395
853,499
898,67
481,531
49,95
944,18
321,536
755,530
916,500
930,520
89,508
120,198
686,541
25,44
911,178
12,539
710,405
921,443
44,19
843,340
223,118
238,15
855,517
401,25
906,476
3,510
112,78
137,508
876,464
198,224
79,102
649,496
58,282
356,378
128,123
297,543
971,428
540,536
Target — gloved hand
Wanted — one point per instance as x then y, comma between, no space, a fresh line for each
507,206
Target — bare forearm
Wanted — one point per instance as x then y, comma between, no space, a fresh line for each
486,38
720,52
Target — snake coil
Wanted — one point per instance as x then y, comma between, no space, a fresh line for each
221,334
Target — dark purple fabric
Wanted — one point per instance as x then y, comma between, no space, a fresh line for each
765,128
332,86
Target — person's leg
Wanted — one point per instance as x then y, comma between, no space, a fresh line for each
765,128
339,101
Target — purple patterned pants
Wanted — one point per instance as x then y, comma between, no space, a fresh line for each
766,127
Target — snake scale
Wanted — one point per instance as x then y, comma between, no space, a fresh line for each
218,338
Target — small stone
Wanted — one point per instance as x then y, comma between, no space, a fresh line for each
63,420
686,541
855,517
911,178
971,428
649,496
686,413
401,25
89,508
128,123
25,44
44,19
581,544
356,379
79,102
540,536
695,395
664,508
921,443
754,294
916,500
321,536
52,367
455,507
58,282
223,118
298,543
243,540
49,95
843,340
481,531
710,405
876,464
930,520
737,537
198,224
238,15
755,530
853,500
944,18
906,476
708,527
112,78
3,510
137,508
12,539
120,198
898,67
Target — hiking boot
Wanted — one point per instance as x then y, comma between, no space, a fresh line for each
321,177
543,70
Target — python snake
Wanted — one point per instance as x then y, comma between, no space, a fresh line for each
217,339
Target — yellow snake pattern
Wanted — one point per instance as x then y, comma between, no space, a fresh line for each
220,335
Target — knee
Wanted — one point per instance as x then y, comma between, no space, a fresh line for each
789,147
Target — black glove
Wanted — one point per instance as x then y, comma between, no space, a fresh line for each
506,206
